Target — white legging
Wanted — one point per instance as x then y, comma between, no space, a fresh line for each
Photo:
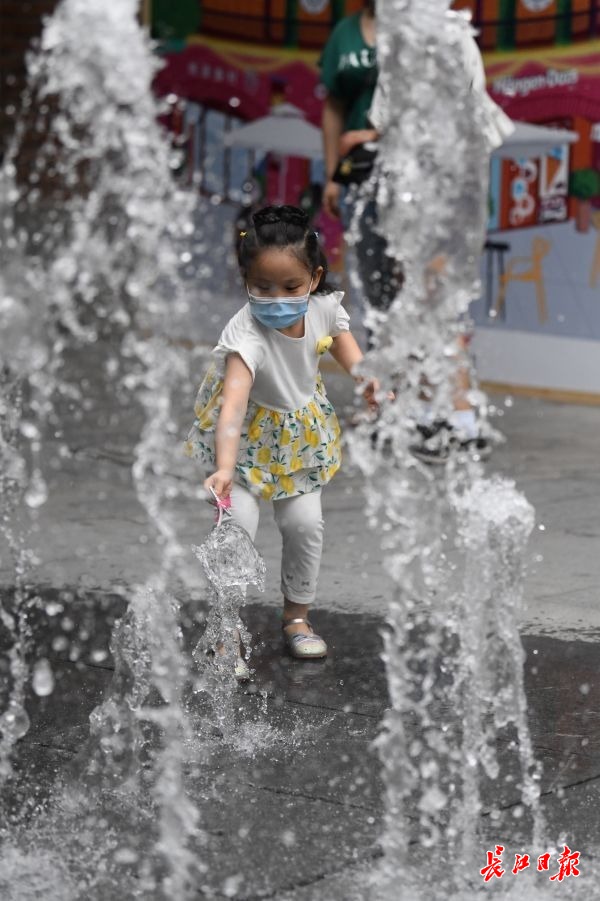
300,521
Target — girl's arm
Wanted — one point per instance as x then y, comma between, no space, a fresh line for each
346,351
236,391
332,125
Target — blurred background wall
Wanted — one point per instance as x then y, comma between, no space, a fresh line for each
229,63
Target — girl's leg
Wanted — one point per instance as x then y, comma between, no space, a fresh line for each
245,509
300,522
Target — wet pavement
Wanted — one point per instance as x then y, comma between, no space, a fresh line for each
292,808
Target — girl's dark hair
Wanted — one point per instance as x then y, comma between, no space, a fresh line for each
283,226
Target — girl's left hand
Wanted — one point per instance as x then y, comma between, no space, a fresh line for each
370,392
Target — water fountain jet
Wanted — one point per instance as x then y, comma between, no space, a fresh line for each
454,540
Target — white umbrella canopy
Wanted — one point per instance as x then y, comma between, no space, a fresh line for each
284,131
528,141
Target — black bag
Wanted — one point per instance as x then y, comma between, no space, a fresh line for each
357,165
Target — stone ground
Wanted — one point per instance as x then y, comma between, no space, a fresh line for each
293,808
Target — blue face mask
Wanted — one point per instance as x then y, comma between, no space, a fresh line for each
279,312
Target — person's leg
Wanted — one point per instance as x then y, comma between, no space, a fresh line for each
300,521
381,276
245,509
463,417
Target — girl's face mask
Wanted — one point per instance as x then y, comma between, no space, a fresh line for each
279,312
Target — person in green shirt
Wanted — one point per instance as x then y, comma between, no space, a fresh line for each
349,72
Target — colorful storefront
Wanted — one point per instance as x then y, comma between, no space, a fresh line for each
538,320
539,317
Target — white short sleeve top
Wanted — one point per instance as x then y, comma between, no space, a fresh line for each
284,369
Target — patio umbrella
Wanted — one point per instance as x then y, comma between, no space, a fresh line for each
528,141
284,131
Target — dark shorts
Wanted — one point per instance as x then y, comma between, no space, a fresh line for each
381,275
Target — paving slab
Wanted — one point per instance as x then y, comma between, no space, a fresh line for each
293,808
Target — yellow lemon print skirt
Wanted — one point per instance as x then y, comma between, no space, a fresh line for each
281,454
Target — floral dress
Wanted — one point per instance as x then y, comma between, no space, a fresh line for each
290,438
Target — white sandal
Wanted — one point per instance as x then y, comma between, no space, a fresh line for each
242,670
303,646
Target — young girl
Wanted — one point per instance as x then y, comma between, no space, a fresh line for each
264,423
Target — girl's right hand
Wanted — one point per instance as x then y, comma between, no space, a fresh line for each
221,482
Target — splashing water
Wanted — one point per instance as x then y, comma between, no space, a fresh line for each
107,261
94,240
454,540
17,487
231,563
13,720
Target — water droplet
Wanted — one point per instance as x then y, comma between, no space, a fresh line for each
111,367
37,492
30,431
14,722
232,884
433,800
125,855
42,681
288,837
53,608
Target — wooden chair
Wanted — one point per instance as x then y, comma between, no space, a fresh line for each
540,247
